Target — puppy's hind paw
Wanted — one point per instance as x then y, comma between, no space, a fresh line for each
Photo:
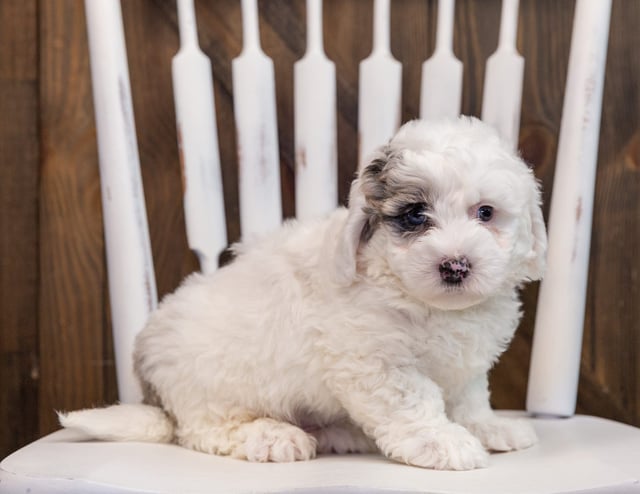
448,447
343,438
504,434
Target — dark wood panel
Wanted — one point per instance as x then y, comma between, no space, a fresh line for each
72,274
610,377
18,224
55,338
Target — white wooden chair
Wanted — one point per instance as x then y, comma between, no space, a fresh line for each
575,453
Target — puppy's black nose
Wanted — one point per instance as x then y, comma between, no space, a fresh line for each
453,271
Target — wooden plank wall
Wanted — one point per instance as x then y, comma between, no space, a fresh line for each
19,266
55,344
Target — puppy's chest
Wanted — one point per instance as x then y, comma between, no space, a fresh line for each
467,342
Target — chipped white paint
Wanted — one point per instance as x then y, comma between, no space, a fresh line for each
254,99
379,102
315,124
132,286
441,90
555,359
502,96
198,141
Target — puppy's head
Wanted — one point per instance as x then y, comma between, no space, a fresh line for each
449,211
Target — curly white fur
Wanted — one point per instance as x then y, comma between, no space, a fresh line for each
340,334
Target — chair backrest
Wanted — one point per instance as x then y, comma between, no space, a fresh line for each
556,350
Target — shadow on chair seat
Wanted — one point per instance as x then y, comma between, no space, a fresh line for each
579,454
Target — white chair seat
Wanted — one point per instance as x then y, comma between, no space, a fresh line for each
579,454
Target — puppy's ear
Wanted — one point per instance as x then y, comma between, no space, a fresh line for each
535,260
350,235
361,219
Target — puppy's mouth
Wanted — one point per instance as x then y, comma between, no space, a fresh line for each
455,297
455,291
457,286
453,286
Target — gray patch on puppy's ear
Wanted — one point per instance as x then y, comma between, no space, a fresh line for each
369,229
363,217
389,186
374,175
378,162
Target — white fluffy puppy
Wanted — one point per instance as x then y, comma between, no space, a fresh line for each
373,328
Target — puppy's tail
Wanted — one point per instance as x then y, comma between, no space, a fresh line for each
121,423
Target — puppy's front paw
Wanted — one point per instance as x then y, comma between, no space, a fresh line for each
504,434
278,442
448,447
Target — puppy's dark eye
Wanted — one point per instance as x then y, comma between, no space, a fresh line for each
484,213
414,217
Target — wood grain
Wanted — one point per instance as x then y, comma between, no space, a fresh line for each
610,373
19,162
72,272
55,343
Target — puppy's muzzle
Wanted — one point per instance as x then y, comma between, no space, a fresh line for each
454,271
